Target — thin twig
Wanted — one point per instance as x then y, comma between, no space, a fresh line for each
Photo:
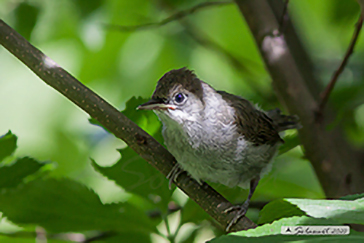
325,95
176,16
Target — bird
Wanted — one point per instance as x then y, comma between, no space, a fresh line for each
216,136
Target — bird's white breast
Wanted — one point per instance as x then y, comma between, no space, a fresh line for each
207,145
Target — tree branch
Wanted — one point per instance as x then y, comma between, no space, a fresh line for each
174,17
113,120
284,17
328,152
326,93
361,3
303,61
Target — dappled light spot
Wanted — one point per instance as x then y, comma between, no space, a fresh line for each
274,46
49,63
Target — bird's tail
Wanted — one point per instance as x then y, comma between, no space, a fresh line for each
284,122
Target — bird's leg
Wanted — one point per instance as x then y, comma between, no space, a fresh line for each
173,174
242,209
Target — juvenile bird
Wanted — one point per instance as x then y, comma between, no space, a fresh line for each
214,135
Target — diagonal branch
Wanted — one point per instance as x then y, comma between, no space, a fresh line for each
326,93
176,16
113,120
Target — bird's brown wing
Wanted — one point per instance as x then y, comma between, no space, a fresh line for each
254,124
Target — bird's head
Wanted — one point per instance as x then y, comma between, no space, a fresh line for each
178,96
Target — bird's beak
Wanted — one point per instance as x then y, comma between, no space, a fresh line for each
155,104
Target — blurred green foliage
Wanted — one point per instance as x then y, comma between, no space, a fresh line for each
215,42
271,233
8,145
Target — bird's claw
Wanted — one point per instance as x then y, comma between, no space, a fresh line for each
173,175
242,209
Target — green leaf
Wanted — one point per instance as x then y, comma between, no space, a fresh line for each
290,142
86,7
352,238
14,174
131,108
147,120
275,227
343,12
135,175
272,233
17,238
191,212
67,206
132,172
343,211
11,239
7,145
26,17
191,238
278,209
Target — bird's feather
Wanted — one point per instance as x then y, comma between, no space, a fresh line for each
256,126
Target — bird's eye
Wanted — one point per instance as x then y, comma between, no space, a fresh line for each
179,98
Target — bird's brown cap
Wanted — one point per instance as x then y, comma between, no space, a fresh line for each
178,77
